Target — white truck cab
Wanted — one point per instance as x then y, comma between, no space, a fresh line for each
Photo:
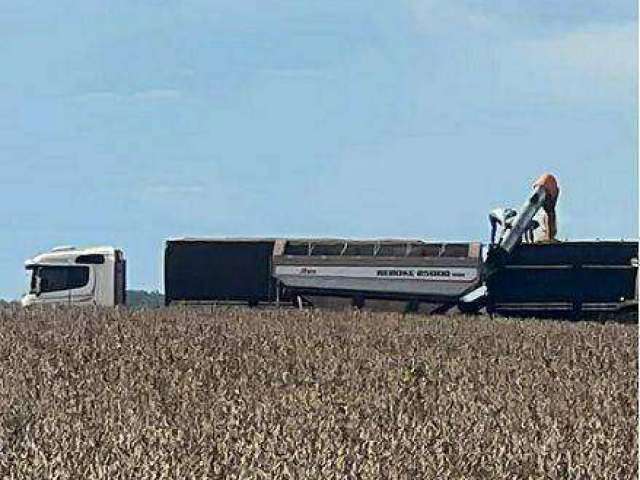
79,276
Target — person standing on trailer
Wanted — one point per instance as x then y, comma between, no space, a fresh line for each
546,216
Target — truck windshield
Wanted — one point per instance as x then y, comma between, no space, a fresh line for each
53,278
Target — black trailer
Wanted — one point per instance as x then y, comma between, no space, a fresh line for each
566,279
536,279
200,270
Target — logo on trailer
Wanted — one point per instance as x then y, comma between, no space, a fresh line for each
433,274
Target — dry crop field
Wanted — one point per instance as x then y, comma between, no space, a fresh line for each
194,393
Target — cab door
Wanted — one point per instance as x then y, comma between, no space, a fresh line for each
65,284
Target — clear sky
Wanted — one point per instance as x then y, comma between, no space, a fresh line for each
126,122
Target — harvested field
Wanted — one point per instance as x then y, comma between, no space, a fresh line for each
179,393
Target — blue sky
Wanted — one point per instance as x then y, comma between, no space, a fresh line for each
130,121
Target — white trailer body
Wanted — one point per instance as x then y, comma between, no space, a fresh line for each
78,276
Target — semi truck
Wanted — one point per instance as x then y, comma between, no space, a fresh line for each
524,270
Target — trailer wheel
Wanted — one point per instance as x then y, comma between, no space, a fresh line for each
412,306
471,308
358,302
